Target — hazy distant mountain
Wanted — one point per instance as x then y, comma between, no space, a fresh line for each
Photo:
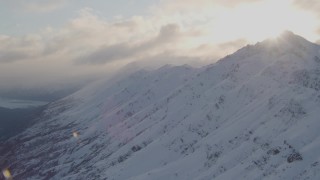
252,115
48,93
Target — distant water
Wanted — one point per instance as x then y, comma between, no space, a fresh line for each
21,104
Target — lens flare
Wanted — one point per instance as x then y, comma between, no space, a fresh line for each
6,173
75,134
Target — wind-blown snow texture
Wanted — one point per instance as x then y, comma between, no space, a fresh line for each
251,115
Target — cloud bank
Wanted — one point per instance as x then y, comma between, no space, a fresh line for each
89,45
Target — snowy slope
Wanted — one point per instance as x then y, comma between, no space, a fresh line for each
252,115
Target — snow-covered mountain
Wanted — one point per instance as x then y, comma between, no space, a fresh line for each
252,115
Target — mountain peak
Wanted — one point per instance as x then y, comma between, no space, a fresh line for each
288,41
285,37
288,34
286,44
293,40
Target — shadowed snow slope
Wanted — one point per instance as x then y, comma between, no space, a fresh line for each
252,115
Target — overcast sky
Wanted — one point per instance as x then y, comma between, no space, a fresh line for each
43,42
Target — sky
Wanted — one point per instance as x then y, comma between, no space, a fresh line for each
44,43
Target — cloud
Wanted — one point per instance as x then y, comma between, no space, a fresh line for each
313,5
171,58
209,53
88,45
11,56
81,35
318,32
108,54
233,44
197,5
47,58
168,34
310,5
17,49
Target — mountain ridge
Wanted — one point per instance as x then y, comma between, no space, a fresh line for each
251,115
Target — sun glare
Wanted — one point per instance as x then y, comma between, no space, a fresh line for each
258,21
